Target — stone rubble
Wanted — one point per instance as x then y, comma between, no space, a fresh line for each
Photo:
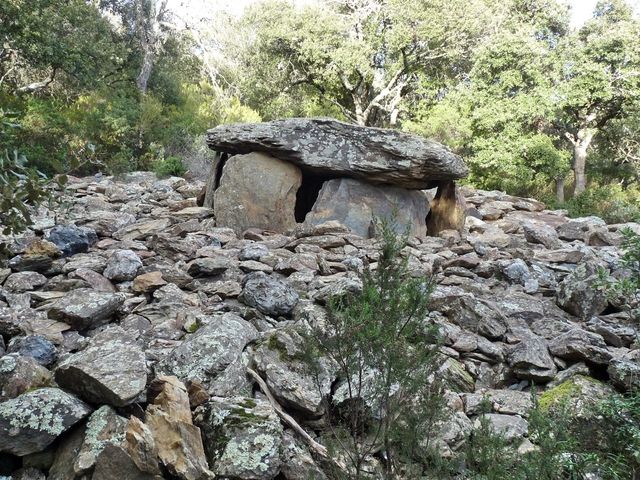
126,330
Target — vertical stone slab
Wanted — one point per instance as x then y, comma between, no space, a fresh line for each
257,190
355,203
448,209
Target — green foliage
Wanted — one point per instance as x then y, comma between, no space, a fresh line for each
610,202
625,287
22,188
169,167
384,348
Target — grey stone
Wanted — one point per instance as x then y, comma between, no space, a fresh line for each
297,462
580,345
624,372
257,191
123,265
86,308
71,239
24,281
579,295
208,266
510,427
269,295
576,228
508,402
356,204
32,421
253,251
20,374
530,359
110,370
104,427
212,356
243,437
39,348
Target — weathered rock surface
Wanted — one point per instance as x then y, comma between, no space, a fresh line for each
381,156
212,356
257,191
86,308
243,437
269,295
356,204
31,422
110,370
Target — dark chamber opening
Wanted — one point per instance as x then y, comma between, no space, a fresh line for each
219,167
308,192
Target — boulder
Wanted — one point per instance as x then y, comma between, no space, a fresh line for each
71,239
39,348
21,374
624,371
123,265
355,204
330,147
580,345
268,294
579,295
530,360
31,422
242,437
256,190
86,308
110,370
212,356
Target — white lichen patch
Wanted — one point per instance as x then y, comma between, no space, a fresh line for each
253,453
7,364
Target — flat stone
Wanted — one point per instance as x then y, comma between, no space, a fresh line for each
123,265
110,370
580,345
86,308
71,239
31,422
382,156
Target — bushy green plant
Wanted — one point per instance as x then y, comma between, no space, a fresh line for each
610,202
169,167
384,349
626,287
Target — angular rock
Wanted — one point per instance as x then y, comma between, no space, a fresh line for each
356,204
71,239
148,282
291,380
541,233
257,190
530,360
508,402
297,462
382,156
208,266
110,370
123,265
178,441
580,345
104,427
243,437
269,295
576,228
86,308
579,295
21,374
24,281
39,348
115,463
624,372
510,427
32,421
212,356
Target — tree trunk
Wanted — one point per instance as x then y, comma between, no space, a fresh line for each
560,189
580,147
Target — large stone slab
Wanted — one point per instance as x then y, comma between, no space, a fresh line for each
259,191
355,203
381,156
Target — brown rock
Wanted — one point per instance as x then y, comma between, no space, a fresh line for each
257,191
147,282
447,210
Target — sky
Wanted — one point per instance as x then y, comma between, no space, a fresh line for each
580,9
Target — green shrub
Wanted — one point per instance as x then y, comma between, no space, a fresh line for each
169,167
385,350
609,202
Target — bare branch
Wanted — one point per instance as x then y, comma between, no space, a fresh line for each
36,86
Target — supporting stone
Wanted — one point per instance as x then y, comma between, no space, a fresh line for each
355,204
256,191
448,209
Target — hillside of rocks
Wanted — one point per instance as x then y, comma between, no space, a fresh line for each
128,322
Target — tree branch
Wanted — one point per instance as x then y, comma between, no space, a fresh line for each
35,86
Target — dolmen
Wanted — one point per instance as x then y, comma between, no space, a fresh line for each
280,174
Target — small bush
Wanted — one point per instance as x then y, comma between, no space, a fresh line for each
169,167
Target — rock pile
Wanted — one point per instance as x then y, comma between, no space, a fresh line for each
308,171
129,320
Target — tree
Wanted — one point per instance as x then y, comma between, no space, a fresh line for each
598,79
361,57
386,352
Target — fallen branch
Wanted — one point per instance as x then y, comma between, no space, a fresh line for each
317,447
